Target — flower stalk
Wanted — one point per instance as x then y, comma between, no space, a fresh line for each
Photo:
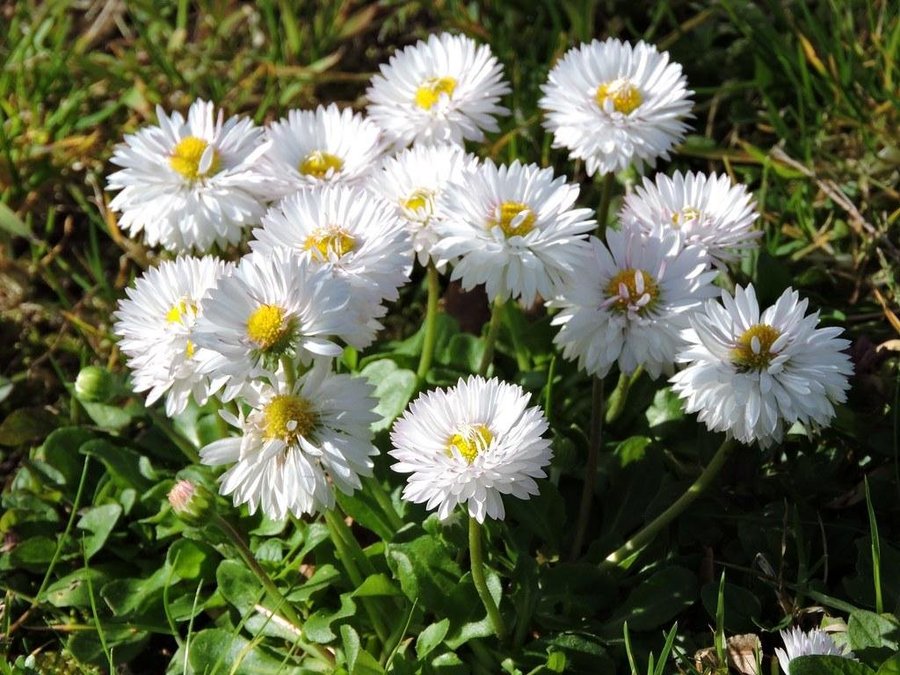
490,341
430,338
476,555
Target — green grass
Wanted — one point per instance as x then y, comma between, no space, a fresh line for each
797,100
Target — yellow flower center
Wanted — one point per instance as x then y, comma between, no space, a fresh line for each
429,92
319,164
470,442
514,218
181,310
687,214
418,199
753,349
288,417
625,96
189,349
329,242
193,158
268,328
632,290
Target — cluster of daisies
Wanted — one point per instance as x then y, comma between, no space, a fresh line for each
336,208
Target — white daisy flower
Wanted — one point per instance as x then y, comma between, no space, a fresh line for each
614,104
296,443
156,325
189,184
273,306
815,642
751,375
707,211
513,228
413,180
469,445
446,90
350,235
628,303
311,148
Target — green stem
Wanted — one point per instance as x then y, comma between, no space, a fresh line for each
344,545
477,557
163,424
649,531
617,400
606,189
487,358
282,605
431,313
290,372
384,501
590,468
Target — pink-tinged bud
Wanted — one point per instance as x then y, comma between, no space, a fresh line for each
191,502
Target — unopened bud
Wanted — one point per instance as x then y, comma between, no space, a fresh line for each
94,384
191,502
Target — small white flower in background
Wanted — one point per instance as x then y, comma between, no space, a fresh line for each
413,180
446,90
751,375
513,228
707,211
814,643
614,104
310,148
156,325
189,184
352,236
628,303
296,444
469,445
273,306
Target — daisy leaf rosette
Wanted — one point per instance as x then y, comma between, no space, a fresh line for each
629,301
469,445
352,237
189,184
751,374
273,306
413,181
297,443
706,210
311,148
156,324
513,228
614,104
445,90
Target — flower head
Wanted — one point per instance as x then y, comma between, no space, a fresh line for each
189,184
351,236
815,642
446,90
628,303
513,228
614,104
157,324
273,306
311,148
413,181
470,444
297,443
707,211
751,374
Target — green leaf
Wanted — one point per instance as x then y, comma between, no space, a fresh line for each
666,407
359,661
123,464
111,417
35,553
100,522
11,223
322,578
464,351
60,450
877,634
219,650
376,585
26,424
134,596
828,665
430,638
656,601
393,388
632,449
318,626
891,666
363,507
72,590
238,585
190,559
428,573
742,607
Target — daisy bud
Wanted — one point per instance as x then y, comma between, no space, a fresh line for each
94,384
191,502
